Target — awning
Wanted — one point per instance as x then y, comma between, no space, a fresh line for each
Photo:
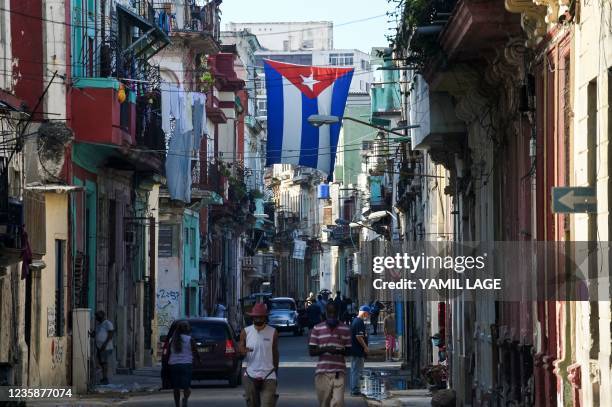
57,188
152,39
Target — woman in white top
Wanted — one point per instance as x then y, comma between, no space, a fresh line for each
182,350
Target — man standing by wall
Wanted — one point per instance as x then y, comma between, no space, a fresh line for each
331,342
103,335
359,347
389,329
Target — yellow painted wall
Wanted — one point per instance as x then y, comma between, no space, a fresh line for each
53,351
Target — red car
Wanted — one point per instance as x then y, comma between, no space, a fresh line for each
218,349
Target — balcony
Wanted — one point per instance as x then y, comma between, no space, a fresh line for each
302,175
11,220
343,235
475,29
115,123
201,27
149,133
222,68
213,110
440,128
251,269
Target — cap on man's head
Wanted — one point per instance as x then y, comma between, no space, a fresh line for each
364,308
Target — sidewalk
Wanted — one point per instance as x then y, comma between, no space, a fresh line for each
144,380
385,384
397,398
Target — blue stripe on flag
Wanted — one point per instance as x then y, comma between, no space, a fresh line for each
339,96
310,134
274,91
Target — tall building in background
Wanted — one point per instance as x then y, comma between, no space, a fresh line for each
290,36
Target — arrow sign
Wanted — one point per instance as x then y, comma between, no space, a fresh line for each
574,200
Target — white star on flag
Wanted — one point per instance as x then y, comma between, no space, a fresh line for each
309,81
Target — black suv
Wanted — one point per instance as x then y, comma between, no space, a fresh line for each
218,349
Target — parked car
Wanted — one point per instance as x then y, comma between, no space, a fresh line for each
217,345
284,316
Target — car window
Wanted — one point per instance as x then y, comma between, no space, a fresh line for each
280,304
215,332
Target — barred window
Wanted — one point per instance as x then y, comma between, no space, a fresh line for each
165,246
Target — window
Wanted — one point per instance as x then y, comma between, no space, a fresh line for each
165,246
262,107
60,246
282,304
365,65
341,59
308,44
192,247
286,45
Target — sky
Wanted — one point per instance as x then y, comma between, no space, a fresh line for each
359,35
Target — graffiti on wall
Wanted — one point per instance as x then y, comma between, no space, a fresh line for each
57,353
167,309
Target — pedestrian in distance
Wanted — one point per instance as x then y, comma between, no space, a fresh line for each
390,334
220,309
310,300
359,347
375,307
180,362
259,345
103,335
322,304
314,315
331,342
338,304
343,313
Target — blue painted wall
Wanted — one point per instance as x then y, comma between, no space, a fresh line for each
191,263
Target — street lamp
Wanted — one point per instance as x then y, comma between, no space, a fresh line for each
319,120
375,216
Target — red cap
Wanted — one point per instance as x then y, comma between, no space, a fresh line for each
258,310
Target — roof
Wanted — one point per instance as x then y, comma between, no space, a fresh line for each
282,299
203,319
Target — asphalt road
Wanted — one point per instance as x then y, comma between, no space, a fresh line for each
295,384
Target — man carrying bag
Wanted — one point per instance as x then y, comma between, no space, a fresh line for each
259,344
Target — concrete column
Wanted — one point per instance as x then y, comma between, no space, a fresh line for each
80,349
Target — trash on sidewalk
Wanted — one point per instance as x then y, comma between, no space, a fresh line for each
123,388
378,383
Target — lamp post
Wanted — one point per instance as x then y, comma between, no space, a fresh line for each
319,120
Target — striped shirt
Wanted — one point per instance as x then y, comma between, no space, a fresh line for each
339,337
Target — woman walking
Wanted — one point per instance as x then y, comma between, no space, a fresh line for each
182,351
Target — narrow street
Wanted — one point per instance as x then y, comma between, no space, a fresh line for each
296,384
438,172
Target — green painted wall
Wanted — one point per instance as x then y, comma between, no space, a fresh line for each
348,167
191,261
90,240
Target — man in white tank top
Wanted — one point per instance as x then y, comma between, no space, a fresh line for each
259,345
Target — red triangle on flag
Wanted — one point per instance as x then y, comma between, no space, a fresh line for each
310,80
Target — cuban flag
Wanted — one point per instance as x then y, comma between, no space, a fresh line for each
295,92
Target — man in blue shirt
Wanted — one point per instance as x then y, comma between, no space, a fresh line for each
359,347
